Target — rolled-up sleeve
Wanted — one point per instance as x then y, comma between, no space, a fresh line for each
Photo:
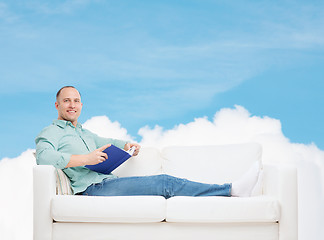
47,154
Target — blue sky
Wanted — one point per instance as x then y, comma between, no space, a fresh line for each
161,62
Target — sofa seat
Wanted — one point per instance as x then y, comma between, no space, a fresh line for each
150,209
124,209
260,209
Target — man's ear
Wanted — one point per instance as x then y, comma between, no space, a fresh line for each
56,105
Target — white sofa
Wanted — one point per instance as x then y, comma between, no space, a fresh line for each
271,215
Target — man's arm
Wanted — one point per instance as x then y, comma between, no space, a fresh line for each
93,158
46,153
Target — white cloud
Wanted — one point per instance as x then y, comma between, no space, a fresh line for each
228,126
103,127
16,196
235,125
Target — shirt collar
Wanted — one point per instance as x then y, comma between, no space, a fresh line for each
64,124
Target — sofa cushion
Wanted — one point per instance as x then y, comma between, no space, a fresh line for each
124,209
63,184
210,164
223,209
147,162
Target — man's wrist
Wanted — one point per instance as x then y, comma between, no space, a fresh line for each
78,160
83,159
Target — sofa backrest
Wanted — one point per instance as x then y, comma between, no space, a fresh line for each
210,164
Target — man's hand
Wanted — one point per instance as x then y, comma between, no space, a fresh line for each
97,156
129,145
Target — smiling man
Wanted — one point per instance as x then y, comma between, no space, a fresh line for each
68,104
67,146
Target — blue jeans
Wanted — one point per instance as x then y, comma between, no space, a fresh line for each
158,185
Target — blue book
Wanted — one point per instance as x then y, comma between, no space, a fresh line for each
116,156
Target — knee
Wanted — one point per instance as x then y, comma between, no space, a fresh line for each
168,178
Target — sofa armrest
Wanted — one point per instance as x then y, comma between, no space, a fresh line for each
280,181
44,182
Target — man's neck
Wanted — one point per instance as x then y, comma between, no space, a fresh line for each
74,123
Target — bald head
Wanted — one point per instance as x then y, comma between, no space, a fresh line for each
59,91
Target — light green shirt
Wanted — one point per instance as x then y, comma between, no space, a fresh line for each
56,143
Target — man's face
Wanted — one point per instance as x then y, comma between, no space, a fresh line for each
69,105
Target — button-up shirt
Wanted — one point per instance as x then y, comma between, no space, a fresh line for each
56,143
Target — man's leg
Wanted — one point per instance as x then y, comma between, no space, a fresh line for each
160,185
